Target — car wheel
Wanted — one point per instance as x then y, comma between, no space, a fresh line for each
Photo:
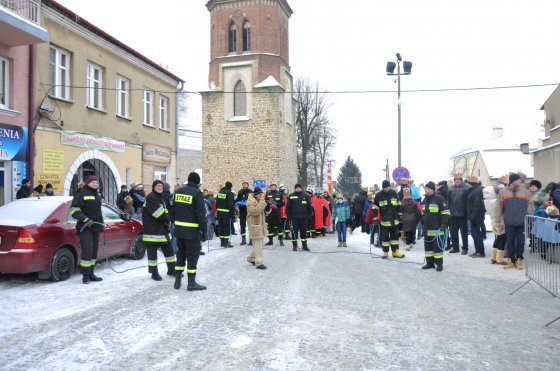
138,249
62,265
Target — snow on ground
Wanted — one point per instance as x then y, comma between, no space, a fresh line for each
308,311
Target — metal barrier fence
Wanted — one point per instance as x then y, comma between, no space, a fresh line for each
542,254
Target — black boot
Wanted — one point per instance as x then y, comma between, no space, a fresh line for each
86,279
250,243
193,286
178,276
93,277
243,241
156,276
305,248
294,244
171,269
429,263
269,243
281,242
439,265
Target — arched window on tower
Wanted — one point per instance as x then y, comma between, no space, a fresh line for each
232,38
239,100
246,36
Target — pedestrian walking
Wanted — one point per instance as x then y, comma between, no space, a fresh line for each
435,217
86,209
257,211
299,211
188,213
341,213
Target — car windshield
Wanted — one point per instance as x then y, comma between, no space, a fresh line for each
32,211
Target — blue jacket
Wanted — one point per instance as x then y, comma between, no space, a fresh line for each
341,212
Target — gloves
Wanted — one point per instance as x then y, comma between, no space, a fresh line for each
203,237
88,222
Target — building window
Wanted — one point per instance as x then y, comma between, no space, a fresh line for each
94,91
160,172
123,88
232,38
147,103
59,74
4,82
163,118
246,36
239,100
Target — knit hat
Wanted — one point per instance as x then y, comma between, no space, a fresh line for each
229,185
442,183
297,186
91,178
430,185
156,182
25,181
194,178
385,184
257,191
513,177
535,183
122,186
166,187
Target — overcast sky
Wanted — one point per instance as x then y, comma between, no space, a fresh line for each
346,45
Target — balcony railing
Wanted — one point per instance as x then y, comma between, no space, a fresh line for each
28,9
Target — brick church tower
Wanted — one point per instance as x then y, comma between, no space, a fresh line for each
248,113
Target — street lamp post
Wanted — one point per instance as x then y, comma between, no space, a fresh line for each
407,67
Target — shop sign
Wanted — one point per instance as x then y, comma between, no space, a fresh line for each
158,154
72,138
53,161
13,143
54,179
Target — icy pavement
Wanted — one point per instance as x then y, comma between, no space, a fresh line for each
308,311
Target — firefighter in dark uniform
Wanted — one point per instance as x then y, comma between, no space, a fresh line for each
299,211
225,208
156,230
283,216
275,228
188,213
435,219
389,206
86,209
241,202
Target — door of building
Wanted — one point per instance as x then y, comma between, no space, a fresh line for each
107,185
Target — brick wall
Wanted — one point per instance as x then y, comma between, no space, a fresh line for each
189,161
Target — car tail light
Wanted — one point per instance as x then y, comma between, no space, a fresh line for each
25,240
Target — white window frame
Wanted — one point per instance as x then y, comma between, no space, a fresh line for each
123,97
94,84
163,113
4,83
60,84
148,107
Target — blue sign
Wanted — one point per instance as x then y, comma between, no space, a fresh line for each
259,183
400,173
13,143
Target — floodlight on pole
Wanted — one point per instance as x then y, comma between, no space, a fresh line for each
407,69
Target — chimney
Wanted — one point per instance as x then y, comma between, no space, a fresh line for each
498,132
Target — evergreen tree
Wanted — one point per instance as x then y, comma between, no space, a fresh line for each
349,180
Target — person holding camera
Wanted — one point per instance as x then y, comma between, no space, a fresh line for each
189,215
157,231
86,209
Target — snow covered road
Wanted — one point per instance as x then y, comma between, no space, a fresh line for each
307,311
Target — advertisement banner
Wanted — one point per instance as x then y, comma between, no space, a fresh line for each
53,161
158,154
13,143
54,179
72,138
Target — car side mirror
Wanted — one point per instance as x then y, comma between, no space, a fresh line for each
126,216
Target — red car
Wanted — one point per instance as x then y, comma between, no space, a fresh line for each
39,235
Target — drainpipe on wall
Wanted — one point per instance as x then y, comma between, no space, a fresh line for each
31,115
179,90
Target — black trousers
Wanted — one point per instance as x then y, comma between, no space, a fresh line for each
274,225
152,256
243,220
457,224
390,237
299,227
434,252
89,242
285,227
187,251
224,226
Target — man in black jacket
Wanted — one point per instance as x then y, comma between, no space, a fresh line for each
23,192
188,213
225,208
389,206
475,214
241,202
156,230
435,217
276,201
299,210
359,203
86,209
457,198
121,203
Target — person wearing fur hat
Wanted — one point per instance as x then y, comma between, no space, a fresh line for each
536,195
86,209
225,209
157,232
513,202
23,192
387,201
435,218
257,211
188,212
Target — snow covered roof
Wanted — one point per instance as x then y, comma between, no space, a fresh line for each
499,162
270,81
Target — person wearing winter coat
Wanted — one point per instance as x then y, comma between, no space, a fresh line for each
257,211
318,214
24,190
49,190
299,211
490,197
475,215
128,208
411,215
121,203
241,202
225,210
435,217
387,201
457,198
359,202
157,232
512,205
341,213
